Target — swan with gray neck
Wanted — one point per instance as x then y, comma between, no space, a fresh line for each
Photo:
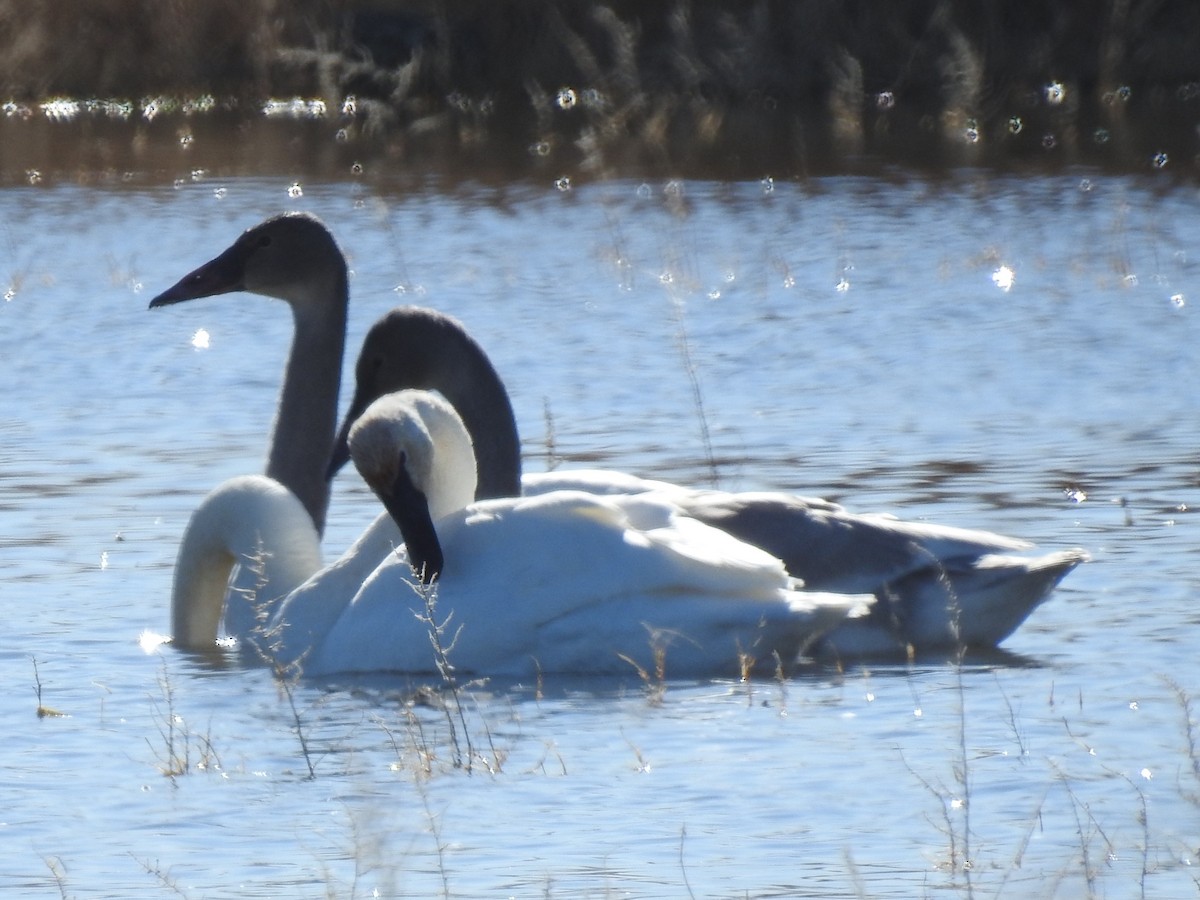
293,258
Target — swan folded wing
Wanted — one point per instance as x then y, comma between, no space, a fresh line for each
642,544
830,549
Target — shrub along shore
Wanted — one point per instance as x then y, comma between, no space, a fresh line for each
693,87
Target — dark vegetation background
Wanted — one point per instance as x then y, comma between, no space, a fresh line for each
782,87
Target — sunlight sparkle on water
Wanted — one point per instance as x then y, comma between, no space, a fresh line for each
295,108
150,641
60,109
201,340
1003,278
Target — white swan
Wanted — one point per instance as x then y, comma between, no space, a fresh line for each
567,582
564,582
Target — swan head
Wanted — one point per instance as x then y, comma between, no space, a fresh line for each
415,347
291,257
413,450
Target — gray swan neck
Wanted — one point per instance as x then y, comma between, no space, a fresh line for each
415,347
306,416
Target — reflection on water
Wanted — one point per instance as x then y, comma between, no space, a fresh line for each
842,337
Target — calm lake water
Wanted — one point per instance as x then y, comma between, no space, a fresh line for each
1018,354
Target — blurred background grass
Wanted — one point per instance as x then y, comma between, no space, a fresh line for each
782,86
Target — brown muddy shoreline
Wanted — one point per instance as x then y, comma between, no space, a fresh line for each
593,90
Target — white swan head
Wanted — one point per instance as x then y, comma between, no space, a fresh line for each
413,450
291,257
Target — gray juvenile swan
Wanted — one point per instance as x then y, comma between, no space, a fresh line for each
294,258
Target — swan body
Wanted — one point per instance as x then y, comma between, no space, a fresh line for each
563,582
566,581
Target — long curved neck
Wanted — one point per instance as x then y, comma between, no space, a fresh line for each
415,347
252,521
306,419
458,368
486,412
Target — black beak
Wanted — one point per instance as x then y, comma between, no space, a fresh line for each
410,511
364,393
222,275
341,446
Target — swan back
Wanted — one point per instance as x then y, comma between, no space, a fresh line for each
251,521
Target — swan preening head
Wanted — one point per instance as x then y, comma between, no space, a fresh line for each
250,521
413,450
